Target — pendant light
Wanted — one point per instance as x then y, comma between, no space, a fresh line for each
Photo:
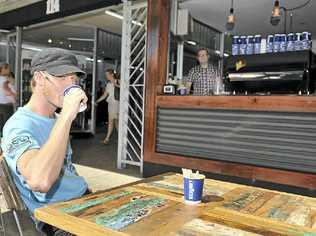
276,9
231,18
276,13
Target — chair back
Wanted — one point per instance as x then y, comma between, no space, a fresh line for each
10,193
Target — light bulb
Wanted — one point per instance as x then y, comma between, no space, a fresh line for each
276,13
276,9
231,19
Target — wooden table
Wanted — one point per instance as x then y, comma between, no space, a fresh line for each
155,207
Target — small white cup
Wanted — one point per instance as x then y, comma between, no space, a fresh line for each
68,90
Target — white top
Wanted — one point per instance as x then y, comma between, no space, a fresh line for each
4,98
110,91
113,105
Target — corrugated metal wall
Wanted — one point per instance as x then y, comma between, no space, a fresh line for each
283,140
109,45
3,52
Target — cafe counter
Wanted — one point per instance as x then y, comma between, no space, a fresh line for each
265,138
254,138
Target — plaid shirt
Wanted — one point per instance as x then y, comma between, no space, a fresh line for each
203,80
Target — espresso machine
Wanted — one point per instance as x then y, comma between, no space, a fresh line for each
271,73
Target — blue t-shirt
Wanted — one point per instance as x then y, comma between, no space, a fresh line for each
26,130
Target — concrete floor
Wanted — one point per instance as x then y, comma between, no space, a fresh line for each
93,160
92,153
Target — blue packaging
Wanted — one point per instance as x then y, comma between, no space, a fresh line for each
294,41
257,44
235,45
310,40
183,91
282,42
298,42
276,43
290,42
304,41
250,42
270,39
193,190
243,45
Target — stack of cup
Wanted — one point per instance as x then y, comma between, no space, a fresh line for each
243,45
250,44
298,42
290,42
269,45
305,41
235,46
276,43
282,47
310,40
257,44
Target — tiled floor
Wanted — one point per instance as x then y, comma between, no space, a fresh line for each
103,179
93,160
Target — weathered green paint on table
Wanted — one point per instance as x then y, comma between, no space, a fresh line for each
155,207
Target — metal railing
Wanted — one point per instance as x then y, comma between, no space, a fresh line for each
131,123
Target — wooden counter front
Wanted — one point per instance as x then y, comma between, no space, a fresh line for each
264,103
258,103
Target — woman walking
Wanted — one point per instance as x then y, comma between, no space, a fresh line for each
113,104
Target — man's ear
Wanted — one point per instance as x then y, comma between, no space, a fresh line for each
39,78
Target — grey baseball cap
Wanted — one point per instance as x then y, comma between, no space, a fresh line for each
56,62
3,63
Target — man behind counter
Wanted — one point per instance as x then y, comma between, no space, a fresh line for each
204,77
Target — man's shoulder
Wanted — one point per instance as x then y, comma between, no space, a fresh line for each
19,133
196,68
20,119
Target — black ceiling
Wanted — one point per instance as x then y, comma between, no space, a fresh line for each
36,13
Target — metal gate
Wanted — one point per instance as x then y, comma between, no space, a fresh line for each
132,97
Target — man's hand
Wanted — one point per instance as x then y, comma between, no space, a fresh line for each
72,102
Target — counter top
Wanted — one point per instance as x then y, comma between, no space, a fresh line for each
291,103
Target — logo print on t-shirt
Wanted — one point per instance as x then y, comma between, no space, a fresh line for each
18,142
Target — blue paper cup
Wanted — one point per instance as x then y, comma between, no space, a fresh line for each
183,91
193,189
